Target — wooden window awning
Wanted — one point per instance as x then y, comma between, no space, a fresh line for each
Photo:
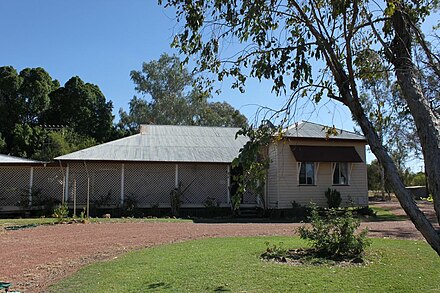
325,154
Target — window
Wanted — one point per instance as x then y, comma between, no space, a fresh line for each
340,173
307,173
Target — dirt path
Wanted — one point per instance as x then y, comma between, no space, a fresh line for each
34,258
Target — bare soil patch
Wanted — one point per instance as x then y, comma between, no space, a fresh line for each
34,258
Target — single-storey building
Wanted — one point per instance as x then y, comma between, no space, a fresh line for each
307,161
144,168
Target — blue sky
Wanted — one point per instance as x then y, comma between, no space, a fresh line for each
101,41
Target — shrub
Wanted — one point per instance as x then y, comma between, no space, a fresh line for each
429,198
129,208
364,211
44,202
211,202
332,235
61,212
333,198
212,206
295,205
176,200
274,252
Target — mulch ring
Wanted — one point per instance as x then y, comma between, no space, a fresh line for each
308,256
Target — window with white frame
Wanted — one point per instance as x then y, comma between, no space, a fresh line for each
340,173
307,173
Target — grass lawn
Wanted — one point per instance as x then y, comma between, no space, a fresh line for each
385,215
48,221
26,221
233,264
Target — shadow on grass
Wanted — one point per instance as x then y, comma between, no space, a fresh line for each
384,214
385,218
160,285
221,289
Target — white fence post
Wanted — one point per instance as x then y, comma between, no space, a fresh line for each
176,180
228,187
66,185
122,183
31,183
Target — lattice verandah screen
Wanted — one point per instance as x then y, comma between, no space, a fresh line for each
48,182
14,185
28,185
101,180
202,181
150,184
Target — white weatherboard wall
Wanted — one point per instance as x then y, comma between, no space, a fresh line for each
283,187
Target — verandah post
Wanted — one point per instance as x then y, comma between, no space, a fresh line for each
228,185
176,179
66,185
31,183
122,183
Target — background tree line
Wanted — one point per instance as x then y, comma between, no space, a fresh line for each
375,178
41,119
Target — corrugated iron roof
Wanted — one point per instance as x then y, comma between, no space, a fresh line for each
168,143
172,143
305,129
7,159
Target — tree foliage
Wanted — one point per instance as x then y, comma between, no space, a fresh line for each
253,161
82,107
284,40
62,142
31,100
171,97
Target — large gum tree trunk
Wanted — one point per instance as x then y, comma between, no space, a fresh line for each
403,195
348,96
427,123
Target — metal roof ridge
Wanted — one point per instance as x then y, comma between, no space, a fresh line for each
302,122
190,126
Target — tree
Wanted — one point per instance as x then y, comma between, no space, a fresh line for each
172,97
61,142
374,172
27,140
31,99
279,40
418,179
10,83
386,110
34,93
221,114
82,107
24,98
